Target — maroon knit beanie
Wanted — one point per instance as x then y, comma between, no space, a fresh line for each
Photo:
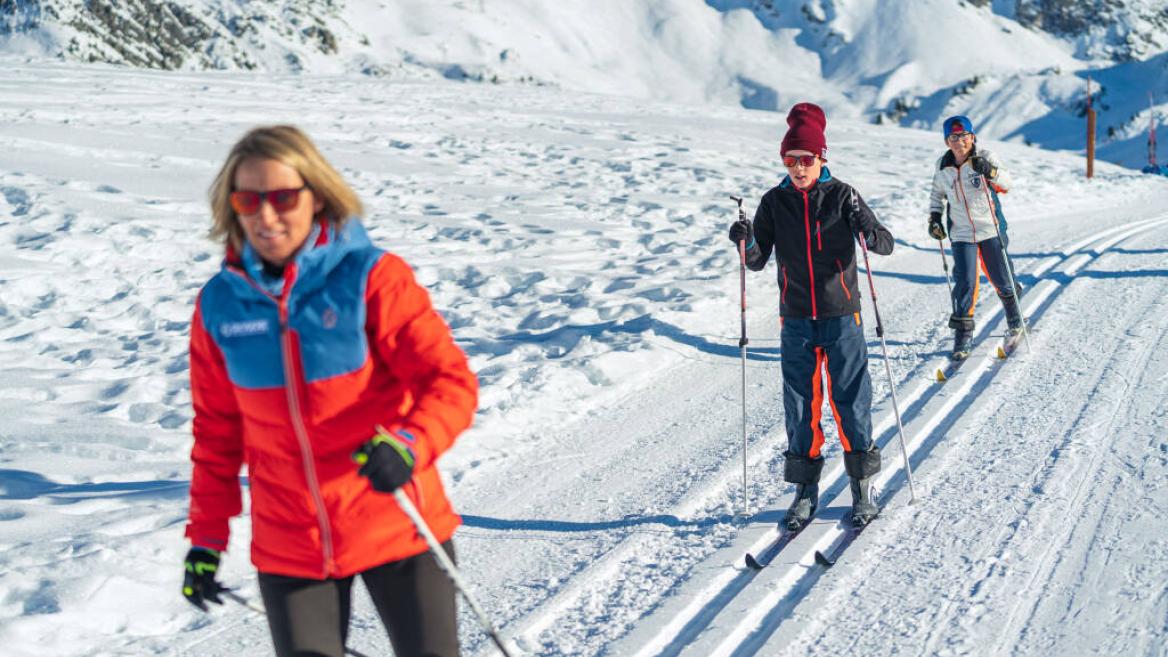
807,122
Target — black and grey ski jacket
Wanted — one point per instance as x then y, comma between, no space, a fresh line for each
812,235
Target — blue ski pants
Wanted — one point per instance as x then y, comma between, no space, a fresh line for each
829,354
966,256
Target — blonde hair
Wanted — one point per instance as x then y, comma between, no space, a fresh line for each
290,146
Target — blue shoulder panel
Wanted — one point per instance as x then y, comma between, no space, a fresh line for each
330,319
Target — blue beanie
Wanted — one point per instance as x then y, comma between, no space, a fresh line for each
956,124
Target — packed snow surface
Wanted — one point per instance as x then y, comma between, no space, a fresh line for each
576,245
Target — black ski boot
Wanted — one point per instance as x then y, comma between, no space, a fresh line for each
862,468
804,473
1013,315
801,510
962,344
962,337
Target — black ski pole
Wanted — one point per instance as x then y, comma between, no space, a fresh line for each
888,369
742,341
948,280
235,597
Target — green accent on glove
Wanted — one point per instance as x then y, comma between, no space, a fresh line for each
389,439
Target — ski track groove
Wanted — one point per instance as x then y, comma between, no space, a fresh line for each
970,593
1017,629
1073,259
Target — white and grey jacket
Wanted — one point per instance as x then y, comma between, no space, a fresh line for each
972,200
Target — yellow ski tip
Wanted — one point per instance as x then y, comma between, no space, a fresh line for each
941,376
1001,353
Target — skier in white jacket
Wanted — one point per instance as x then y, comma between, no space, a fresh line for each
967,182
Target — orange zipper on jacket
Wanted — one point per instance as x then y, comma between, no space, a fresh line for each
840,266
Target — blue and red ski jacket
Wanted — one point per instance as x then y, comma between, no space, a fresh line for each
289,376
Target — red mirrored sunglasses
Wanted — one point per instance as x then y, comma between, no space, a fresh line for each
805,160
282,200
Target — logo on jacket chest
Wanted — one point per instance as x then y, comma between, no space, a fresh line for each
976,181
328,318
245,328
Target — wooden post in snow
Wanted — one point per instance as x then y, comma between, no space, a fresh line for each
1090,133
1151,132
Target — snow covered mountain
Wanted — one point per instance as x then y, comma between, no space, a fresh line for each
1017,66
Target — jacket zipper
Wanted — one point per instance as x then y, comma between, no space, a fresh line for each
297,419
301,431
810,264
964,201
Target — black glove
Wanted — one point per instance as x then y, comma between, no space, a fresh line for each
936,230
740,231
983,167
387,460
199,582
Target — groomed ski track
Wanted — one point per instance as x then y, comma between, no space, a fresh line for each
722,608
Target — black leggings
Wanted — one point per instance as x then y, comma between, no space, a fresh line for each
415,599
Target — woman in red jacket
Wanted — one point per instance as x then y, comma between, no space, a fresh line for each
309,345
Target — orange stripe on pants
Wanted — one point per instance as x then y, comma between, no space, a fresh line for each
817,403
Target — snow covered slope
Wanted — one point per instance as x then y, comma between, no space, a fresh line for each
576,244
1017,66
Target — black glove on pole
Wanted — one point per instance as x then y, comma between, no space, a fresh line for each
740,232
386,461
199,582
936,229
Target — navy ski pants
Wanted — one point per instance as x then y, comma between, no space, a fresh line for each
826,353
966,256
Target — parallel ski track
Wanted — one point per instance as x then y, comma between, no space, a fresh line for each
1070,490
933,407
980,605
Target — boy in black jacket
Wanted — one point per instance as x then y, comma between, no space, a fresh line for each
810,221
